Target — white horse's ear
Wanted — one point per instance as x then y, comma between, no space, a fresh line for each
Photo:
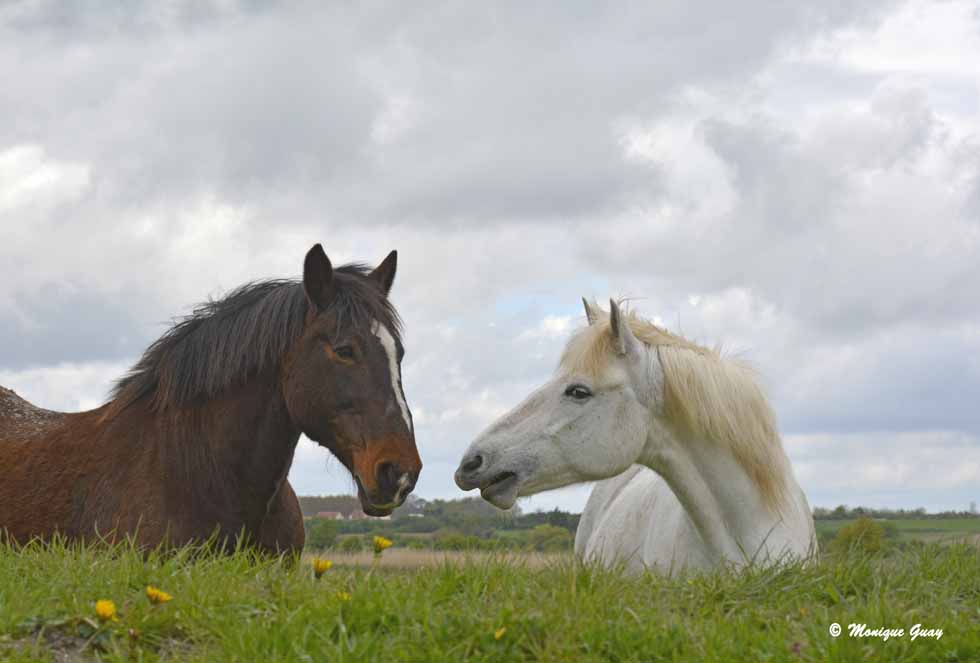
624,341
590,312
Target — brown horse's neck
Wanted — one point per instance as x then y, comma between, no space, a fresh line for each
227,457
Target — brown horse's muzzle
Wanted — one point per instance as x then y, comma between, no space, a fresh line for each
386,471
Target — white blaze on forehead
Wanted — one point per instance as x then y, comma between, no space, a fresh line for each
388,343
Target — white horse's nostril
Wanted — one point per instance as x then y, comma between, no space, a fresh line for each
469,471
473,464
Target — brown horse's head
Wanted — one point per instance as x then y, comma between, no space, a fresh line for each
342,379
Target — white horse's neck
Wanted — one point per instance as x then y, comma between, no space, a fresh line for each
724,504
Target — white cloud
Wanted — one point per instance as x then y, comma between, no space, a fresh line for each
68,387
888,469
549,328
938,40
29,178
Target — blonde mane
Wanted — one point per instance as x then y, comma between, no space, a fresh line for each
706,394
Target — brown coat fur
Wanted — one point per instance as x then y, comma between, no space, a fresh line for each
198,438
89,479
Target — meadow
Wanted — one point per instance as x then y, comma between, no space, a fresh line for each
426,606
935,530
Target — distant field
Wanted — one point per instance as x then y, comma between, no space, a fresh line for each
403,558
424,607
936,530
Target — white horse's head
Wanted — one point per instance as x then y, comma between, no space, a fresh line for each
626,391
589,422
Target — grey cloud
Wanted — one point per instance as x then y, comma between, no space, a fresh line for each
969,161
83,20
936,470
911,378
522,121
849,245
491,146
58,323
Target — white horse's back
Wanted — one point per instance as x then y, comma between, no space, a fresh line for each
636,519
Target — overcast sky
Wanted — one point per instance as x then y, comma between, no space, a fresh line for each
799,182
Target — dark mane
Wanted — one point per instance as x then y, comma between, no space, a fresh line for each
224,342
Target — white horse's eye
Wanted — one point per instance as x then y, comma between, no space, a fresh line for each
578,392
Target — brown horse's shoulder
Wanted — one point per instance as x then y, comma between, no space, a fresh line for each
282,528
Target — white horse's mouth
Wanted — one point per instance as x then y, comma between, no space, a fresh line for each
501,490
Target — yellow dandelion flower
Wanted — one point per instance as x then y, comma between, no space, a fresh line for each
321,566
343,596
381,544
157,595
499,633
106,610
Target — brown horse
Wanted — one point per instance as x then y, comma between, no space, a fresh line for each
198,437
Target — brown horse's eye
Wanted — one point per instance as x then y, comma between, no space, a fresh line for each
344,352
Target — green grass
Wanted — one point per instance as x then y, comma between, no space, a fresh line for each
939,524
241,608
917,529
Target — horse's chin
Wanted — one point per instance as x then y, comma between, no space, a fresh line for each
503,490
369,507
375,511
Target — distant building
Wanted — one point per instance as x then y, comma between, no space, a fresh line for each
357,514
330,515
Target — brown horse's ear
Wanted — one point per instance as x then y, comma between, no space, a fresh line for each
384,273
317,277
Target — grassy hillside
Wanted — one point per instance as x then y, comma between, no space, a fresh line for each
483,608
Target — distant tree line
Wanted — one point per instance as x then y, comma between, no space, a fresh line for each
468,523
473,515
473,524
844,512
343,504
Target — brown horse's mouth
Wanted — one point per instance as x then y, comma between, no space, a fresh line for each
369,507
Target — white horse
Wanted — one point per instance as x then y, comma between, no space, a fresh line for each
629,396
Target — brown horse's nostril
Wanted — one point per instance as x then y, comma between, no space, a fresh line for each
394,483
406,484
387,474
473,464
